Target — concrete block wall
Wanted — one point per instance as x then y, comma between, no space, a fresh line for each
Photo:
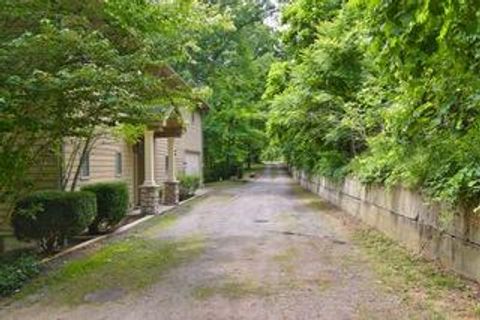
407,217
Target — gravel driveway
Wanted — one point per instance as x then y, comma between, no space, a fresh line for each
268,254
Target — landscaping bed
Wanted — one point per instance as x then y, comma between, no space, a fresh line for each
19,267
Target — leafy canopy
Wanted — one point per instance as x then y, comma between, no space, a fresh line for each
68,68
384,90
234,63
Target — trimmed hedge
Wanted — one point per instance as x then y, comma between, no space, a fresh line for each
15,270
187,186
50,217
112,204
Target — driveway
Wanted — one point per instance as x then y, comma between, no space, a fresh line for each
267,251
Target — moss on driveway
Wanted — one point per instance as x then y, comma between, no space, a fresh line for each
119,267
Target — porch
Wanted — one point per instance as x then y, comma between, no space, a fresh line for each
150,192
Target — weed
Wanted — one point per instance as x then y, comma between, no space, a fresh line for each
422,282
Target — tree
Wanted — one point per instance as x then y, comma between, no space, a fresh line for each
77,68
312,95
386,91
234,64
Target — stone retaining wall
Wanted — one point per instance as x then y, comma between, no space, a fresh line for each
406,216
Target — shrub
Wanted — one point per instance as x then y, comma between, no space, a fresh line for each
112,204
50,217
187,186
16,269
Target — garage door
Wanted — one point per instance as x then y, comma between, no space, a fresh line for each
192,160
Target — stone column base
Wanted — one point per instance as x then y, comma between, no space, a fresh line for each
170,193
149,199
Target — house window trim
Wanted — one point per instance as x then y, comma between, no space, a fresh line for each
118,164
86,160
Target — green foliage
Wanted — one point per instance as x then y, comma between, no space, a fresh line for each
310,100
234,63
188,184
15,270
134,263
431,125
51,217
112,204
70,68
387,91
303,18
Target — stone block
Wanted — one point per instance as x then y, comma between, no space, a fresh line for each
149,200
171,193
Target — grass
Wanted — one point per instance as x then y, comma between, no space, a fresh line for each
422,284
126,264
287,256
286,261
398,262
232,289
130,264
156,225
16,269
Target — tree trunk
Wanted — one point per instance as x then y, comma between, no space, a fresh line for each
85,151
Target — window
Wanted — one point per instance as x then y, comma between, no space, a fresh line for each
118,164
85,166
166,163
193,117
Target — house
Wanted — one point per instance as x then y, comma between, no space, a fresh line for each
150,167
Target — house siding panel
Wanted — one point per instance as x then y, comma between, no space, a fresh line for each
102,163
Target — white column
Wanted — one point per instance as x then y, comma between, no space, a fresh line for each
149,159
171,177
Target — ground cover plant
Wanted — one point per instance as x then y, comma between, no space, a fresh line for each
16,269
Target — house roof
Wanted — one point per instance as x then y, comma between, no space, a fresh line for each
167,72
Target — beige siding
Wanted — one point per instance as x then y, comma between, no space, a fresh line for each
191,141
160,160
192,138
102,162
47,174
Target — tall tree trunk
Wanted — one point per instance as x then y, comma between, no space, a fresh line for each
85,150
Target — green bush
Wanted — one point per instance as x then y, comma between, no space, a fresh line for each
187,186
50,217
112,204
15,270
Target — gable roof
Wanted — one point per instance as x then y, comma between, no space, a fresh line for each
176,81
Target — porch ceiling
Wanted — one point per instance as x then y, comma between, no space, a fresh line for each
173,125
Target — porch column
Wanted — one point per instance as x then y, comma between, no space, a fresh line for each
149,199
171,185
